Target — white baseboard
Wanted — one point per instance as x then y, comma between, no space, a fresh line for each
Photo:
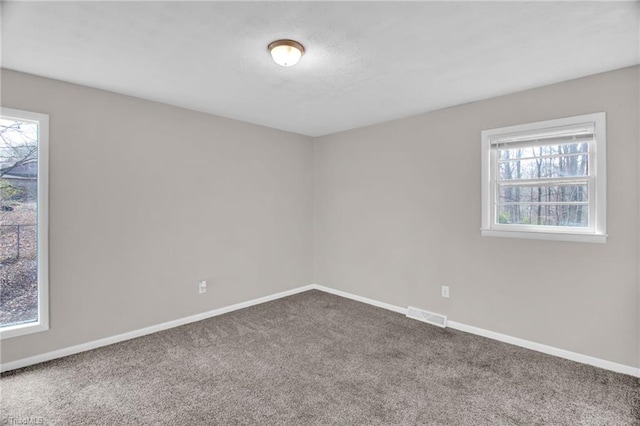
144,331
550,350
538,347
366,300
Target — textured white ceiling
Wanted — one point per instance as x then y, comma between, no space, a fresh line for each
366,62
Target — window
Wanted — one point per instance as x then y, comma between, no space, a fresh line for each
546,180
23,222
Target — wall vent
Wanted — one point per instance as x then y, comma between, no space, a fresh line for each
426,316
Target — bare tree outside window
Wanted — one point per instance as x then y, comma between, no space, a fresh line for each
18,222
526,198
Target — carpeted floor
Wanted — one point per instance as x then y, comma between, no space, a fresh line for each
315,358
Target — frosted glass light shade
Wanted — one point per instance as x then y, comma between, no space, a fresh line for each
286,52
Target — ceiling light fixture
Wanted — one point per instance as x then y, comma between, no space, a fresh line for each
286,52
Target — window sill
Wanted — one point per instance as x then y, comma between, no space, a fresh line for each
22,329
552,236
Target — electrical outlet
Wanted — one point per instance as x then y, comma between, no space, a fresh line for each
202,287
445,291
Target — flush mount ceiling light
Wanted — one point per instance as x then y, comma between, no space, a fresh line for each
286,52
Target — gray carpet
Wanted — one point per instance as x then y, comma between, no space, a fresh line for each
315,358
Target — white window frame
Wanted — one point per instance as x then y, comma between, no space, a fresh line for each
42,224
596,231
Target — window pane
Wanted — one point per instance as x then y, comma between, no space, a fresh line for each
543,193
544,162
18,219
545,215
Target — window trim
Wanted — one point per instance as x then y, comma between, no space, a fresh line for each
42,222
597,160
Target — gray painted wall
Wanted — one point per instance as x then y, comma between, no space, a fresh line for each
397,215
147,199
